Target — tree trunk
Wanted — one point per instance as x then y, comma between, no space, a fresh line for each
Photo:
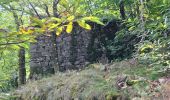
55,55
21,55
22,70
122,9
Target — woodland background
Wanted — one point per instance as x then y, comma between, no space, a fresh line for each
104,49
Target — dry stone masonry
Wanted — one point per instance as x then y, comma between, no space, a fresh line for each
67,51
43,56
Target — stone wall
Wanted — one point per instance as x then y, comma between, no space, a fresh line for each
72,49
43,56
67,51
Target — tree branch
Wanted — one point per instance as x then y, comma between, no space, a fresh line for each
34,9
11,43
4,30
15,18
55,11
46,10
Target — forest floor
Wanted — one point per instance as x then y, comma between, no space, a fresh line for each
114,81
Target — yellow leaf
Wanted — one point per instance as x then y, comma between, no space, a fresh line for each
89,18
59,30
84,25
22,30
70,18
69,27
26,30
52,26
30,32
56,19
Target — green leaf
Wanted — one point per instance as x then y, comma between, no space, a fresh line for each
15,47
64,3
37,21
93,19
84,25
131,28
56,19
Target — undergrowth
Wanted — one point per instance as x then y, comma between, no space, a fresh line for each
95,82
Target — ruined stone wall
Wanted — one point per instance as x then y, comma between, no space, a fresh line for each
43,56
67,51
72,49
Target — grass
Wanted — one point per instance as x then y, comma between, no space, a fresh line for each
92,83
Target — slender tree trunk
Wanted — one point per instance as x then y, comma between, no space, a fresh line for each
56,67
142,20
55,11
122,9
55,14
21,55
22,70
137,9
